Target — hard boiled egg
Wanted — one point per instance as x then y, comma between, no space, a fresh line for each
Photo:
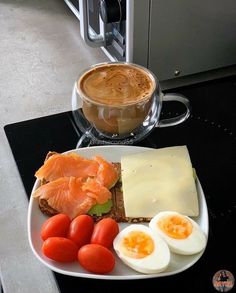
181,233
141,249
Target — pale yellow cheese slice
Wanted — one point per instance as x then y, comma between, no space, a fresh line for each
159,180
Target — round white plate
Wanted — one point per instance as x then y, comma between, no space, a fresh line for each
178,263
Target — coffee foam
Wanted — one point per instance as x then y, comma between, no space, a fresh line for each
117,85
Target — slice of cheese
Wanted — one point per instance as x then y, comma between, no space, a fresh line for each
159,180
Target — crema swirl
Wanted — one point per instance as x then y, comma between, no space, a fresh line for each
117,85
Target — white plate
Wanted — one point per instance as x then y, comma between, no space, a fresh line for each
178,263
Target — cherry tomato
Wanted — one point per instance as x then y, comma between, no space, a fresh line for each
81,229
57,225
60,249
105,232
96,258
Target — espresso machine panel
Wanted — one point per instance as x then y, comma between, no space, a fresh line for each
181,44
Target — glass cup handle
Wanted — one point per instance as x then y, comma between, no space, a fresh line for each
180,118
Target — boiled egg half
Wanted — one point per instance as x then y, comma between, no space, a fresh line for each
141,249
182,234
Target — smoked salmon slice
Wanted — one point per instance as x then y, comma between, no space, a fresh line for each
107,174
97,191
67,165
71,195
72,184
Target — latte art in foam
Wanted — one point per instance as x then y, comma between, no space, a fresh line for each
117,85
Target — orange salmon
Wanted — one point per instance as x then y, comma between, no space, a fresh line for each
107,174
72,196
67,165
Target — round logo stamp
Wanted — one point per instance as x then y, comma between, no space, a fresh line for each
223,281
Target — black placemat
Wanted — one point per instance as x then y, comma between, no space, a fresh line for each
210,137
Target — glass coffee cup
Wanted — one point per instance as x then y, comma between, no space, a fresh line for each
120,103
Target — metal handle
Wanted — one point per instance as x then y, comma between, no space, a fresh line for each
180,118
91,39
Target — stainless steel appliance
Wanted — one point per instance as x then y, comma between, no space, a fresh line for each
182,42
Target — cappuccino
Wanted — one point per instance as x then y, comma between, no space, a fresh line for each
117,85
116,97
120,103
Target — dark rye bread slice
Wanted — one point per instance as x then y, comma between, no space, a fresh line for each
117,211
48,210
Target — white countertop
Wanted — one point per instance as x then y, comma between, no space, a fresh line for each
41,54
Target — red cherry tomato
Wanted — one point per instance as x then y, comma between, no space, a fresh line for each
60,249
57,225
105,232
96,258
81,229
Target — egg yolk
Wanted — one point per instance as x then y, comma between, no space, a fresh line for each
137,244
176,227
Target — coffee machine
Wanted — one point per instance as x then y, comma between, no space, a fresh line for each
181,44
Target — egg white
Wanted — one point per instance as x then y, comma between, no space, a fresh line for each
156,262
193,244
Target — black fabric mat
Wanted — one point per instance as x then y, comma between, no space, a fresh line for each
210,136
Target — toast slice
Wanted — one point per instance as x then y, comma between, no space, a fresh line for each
117,211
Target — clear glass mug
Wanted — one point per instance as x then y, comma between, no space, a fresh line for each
120,103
